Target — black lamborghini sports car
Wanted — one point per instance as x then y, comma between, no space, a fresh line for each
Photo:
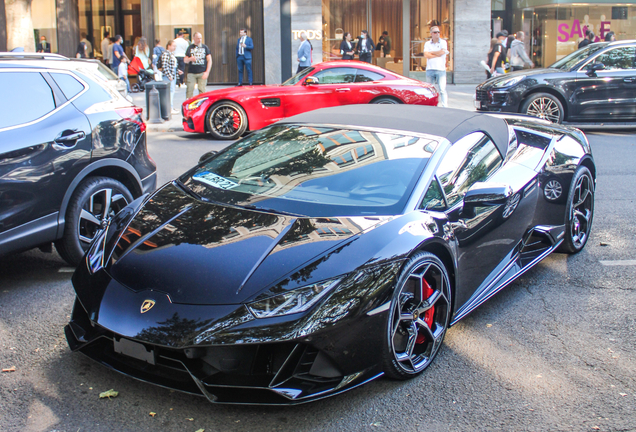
328,249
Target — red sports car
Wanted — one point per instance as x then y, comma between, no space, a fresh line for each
228,113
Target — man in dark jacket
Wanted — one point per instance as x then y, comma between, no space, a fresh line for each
365,47
589,38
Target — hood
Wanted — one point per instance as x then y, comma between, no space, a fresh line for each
204,253
237,92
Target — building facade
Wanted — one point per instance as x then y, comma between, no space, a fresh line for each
554,27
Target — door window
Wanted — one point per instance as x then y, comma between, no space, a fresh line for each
336,75
363,75
618,59
69,85
470,160
30,96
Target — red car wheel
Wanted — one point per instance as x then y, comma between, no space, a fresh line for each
226,120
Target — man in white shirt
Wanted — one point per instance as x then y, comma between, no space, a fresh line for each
107,50
180,51
435,52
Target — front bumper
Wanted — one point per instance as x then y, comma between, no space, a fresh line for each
497,100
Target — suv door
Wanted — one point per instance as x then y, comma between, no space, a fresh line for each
44,142
612,91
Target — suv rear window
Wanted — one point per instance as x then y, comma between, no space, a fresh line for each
26,97
69,85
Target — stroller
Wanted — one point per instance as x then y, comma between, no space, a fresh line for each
143,75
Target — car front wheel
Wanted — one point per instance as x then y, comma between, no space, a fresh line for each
95,200
226,121
418,318
579,212
544,106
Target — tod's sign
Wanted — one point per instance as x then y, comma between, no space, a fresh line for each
311,34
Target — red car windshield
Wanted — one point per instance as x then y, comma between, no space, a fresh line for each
315,171
299,76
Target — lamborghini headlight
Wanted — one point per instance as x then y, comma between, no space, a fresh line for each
298,300
95,255
196,104
509,81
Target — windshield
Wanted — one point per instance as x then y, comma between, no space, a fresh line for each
569,61
315,171
299,76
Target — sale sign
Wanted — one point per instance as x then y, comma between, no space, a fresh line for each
577,30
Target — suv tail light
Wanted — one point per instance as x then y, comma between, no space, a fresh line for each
133,114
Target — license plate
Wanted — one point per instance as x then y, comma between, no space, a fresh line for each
134,349
215,180
478,104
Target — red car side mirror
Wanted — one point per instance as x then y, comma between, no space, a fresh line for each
311,81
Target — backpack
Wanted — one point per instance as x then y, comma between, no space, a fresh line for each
160,62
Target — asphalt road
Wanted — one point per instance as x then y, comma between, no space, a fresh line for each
556,350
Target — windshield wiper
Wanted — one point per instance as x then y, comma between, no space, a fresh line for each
268,210
189,191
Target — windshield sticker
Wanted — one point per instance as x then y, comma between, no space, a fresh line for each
214,180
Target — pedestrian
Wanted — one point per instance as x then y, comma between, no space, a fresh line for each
436,52
589,38
82,50
180,51
365,47
610,37
199,58
170,70
118,53
142,51
89,45
122,71
495,58
304,53
157,51
107,49
385,44
43,46
244,47
346,48
518,56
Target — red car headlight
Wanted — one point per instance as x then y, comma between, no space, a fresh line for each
196,104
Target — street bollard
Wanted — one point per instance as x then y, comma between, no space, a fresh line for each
154,107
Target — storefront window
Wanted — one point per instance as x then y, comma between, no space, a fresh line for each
424,15
557,30
45,22
172,16
340,17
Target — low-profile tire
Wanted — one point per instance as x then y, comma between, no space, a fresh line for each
85,213
544,106
386,100
418,318
579,212
226,120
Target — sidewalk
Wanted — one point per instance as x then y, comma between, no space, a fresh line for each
459,96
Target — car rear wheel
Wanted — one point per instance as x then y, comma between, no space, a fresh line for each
386,100
544,106
579,212
226,120
95,200
418,318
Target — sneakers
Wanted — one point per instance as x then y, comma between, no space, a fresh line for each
175,111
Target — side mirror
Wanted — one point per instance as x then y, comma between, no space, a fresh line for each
207,155
592,68
487,194
311,81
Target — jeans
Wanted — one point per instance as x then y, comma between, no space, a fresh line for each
125,79
181,67
438,78
173,86
192,80
241,62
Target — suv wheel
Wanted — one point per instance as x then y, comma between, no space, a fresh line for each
94,200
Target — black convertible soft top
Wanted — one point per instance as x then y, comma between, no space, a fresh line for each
449,123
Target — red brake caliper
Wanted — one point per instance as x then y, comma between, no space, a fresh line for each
236,118
427,291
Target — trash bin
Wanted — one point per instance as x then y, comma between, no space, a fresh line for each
164,97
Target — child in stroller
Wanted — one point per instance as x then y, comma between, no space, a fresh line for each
136,67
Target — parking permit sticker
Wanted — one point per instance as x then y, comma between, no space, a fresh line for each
214,180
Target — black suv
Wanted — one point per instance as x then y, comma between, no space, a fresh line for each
72,154
591,85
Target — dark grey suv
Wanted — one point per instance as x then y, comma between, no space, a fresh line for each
72,154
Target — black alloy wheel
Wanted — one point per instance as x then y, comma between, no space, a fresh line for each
579,212
226,120
418,318
386,101
544,106
95,200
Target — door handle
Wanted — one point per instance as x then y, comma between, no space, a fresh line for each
65,142
342,90
629,80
